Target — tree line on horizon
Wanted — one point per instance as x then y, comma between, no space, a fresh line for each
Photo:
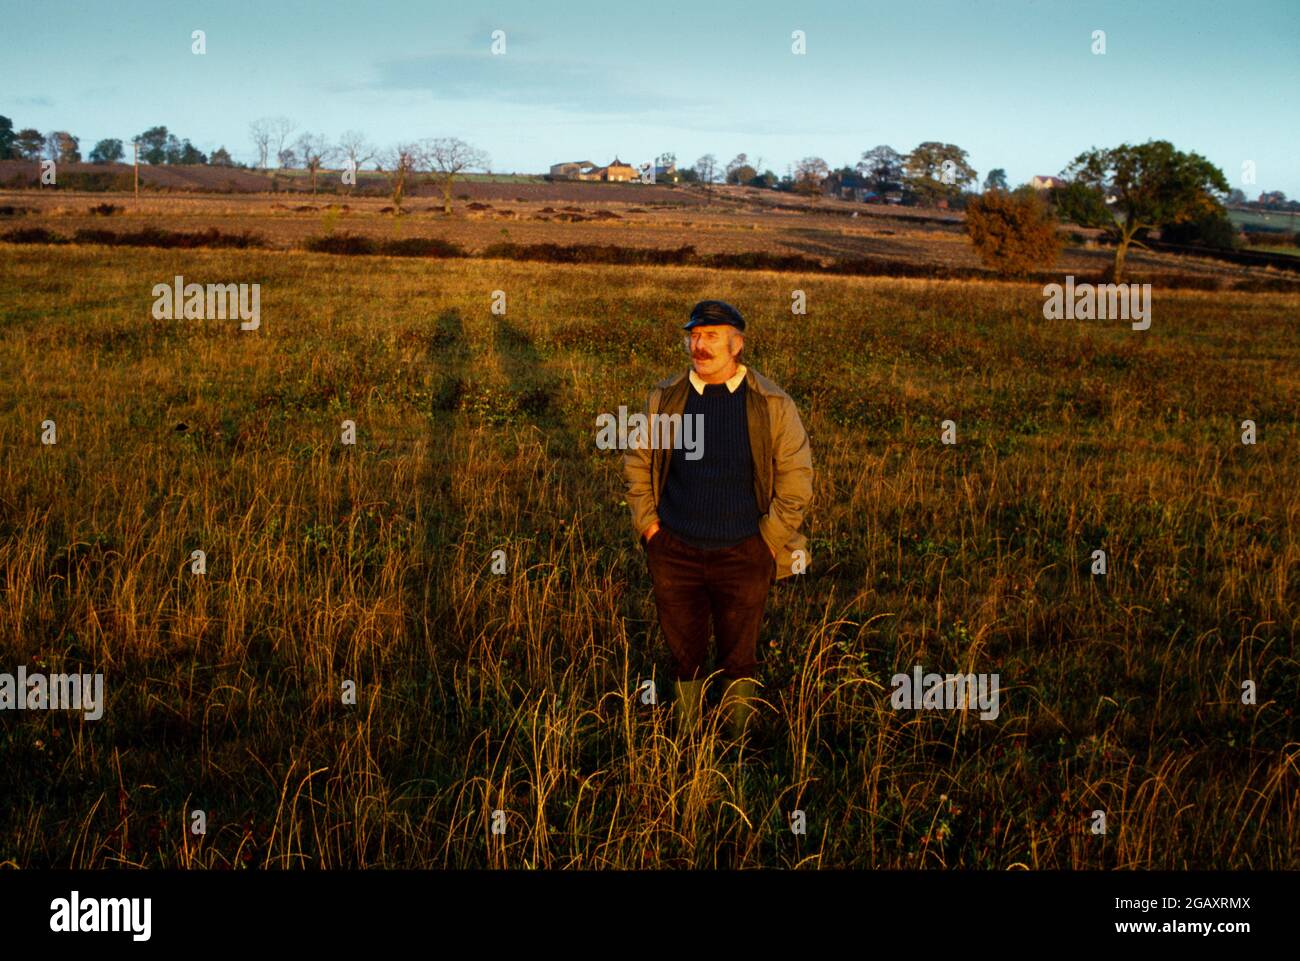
1127,191
934,173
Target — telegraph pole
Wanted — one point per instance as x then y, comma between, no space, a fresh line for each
135,144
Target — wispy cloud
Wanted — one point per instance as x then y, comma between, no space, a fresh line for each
515,79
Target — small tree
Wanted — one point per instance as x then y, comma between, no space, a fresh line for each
260,132
107,152
1153,186
153,145
996,180
737,163
400,164
809,175
29,144
189,154
1013,233
221,158
882,168
937,171
7,140
741,175
706,172
355,150
449,158
278,130
62,147
315,151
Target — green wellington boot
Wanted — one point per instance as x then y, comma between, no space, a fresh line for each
686,705
738,707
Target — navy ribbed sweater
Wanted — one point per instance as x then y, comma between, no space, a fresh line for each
709,503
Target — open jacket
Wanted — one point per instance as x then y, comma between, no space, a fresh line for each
783,473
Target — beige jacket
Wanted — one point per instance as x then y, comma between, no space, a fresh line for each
783,473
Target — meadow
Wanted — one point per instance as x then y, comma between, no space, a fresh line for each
521,691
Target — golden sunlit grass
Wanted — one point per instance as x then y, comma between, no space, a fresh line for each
519,691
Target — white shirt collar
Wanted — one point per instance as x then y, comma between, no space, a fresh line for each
732,384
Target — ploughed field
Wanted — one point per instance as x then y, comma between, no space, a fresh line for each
727,221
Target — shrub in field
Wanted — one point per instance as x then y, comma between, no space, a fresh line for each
154,237
590,254
351,244
32,235
356,245
1013,232
1211,229
421,247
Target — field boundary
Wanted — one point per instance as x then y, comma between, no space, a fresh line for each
345,244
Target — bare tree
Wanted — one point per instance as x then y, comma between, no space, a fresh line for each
400,164
355,149
279,128
315,150
707,170
260,131
449,158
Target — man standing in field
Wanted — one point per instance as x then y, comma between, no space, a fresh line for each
720,528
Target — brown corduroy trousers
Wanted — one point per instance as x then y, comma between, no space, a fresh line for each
728,587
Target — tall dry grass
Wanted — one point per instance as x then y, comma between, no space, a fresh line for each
520,691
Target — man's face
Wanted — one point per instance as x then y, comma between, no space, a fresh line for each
714,348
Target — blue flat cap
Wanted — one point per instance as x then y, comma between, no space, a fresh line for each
708,312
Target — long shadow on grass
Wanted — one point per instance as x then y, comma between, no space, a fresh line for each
606,545
447,354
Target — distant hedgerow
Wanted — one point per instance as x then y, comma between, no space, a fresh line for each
350,244
421,247
357,245
154,237
32,235
1014,233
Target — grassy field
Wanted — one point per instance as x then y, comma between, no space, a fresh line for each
1264,219
518,691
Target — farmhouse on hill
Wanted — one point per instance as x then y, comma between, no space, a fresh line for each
571,170
1046,183
616,171
586,170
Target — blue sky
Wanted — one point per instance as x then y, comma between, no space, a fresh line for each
1014,82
